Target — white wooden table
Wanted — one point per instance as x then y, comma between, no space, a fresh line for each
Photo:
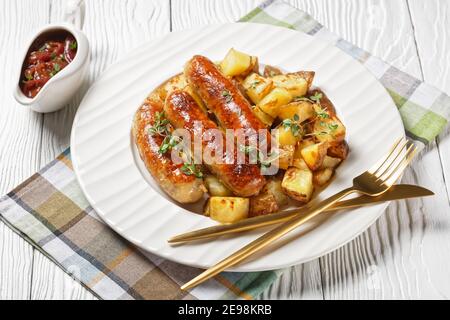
406,254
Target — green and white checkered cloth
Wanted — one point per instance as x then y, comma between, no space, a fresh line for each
50,211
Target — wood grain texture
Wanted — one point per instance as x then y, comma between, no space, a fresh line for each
113,28
404,255
186,14
20,139
381,27
399,256
432,31
16,259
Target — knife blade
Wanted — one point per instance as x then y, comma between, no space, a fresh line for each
396,192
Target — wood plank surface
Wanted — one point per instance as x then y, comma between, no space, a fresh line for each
404,255
113,28
20,138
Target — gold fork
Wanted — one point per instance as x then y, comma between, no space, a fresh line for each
375,181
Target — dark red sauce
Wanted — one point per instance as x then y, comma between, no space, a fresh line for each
49,54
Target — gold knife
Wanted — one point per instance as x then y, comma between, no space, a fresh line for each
396,192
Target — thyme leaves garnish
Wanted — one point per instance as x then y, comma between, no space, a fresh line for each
191,169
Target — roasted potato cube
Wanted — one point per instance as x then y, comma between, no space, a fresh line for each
270,71
293,83
321,177
339,150
264,203
314,155
325,103
298,184
330,162
216,188
254,67
301,145
227,209
285,136
321,112
271,103
206,209
300,164
307,75
329,130
264,117
303,109
273,187
236,63
257,87
286,157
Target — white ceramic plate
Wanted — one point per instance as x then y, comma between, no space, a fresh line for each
118,187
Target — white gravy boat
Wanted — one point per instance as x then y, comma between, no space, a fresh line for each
58,91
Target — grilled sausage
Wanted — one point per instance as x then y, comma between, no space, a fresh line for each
182,188
221,96
244,180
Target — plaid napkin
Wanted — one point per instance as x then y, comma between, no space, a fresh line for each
50,211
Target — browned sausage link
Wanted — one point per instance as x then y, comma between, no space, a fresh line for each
182,188
221,96
244,180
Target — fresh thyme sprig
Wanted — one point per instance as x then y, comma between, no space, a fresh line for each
316,97
190,169
227,95
169,143
321,112
264,161
160,125
332,127
294,125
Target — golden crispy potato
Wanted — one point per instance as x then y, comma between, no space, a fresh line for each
227,209
237,63
300,164
298,184
254,67
285,136
215,187
257,87
329,130
286,157
302,109
271,103
270,71
301,145
339,150
330,162
262,204
264,117
307,75
293,83
273,187
326,104
321,177
314,155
